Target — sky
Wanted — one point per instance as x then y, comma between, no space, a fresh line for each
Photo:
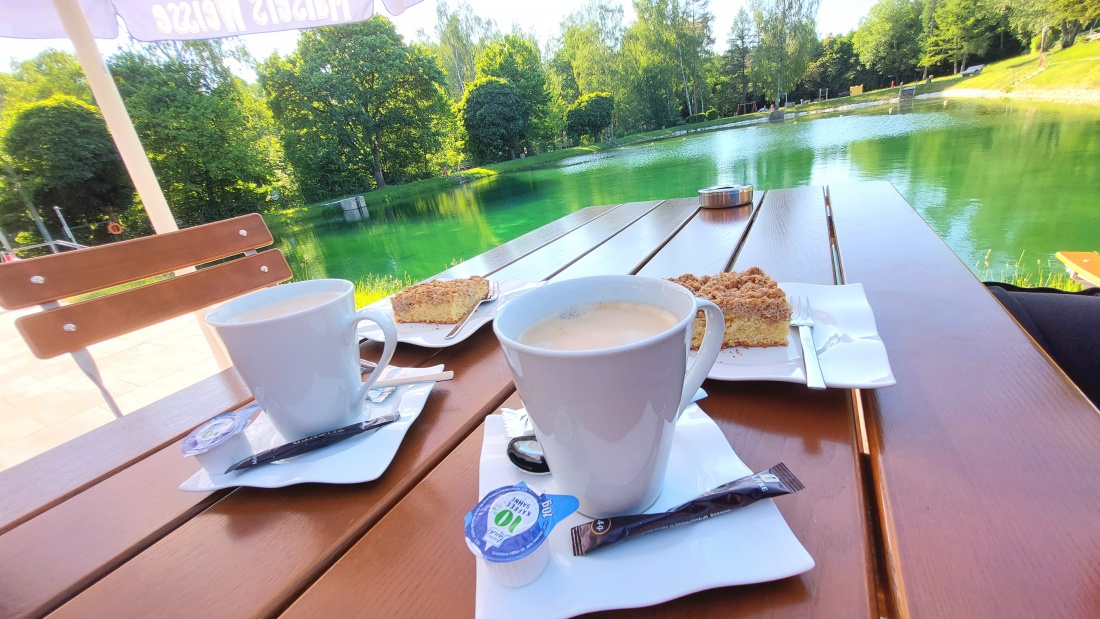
542,16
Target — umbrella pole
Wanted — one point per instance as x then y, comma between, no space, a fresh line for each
126,138
114,112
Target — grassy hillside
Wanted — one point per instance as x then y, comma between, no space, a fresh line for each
1076,68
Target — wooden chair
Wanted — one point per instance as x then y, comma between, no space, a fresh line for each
70,328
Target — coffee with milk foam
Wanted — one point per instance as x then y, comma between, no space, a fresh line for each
599,325
284,307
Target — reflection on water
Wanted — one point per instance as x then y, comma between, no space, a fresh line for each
1011,179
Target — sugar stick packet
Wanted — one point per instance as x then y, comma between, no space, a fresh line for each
776,481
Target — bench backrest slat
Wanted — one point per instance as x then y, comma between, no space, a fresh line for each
71,327
48,278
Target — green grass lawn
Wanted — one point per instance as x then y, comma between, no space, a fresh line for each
1075,68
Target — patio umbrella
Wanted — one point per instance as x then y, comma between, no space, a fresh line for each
82,21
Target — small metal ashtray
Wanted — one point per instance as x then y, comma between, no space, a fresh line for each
725,196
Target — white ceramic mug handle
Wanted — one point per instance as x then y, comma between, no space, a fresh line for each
389,331
713,335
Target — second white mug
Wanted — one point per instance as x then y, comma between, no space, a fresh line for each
296,348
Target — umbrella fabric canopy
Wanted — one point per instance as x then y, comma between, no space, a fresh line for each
161,20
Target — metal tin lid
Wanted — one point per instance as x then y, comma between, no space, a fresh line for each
724,196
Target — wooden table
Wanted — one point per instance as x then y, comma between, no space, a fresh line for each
972,488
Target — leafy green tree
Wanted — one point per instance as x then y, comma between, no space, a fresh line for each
357,108
694,40
589,115
787,37
837,68
963,29
741,41
888,38
584,58
651,72
516,60
461,35
213,153
1073,13
64,155
494,114
50,73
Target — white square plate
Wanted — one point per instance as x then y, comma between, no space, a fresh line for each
851,352
431,335
749,545
357,459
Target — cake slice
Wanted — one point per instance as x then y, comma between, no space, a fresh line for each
439,301
756,310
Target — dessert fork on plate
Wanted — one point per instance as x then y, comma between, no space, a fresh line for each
494,293
802,317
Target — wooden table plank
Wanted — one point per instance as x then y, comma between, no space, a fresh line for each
31,487
985,456
704,246
162,507
314,537
429,572
250,553
109,522
518,247
550,259
765,423
790,237
51,557
631,247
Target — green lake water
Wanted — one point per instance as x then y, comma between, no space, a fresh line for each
1003,179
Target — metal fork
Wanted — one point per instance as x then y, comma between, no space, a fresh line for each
494,293
803,318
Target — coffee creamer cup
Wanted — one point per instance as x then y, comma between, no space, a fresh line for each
507,530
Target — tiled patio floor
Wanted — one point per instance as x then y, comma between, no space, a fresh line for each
45,403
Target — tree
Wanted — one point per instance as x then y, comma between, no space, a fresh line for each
516,60
584,56
888,38
695,41
964,28
837,69
589,115
494,114
64,155
654,85
461,35
787,37
1071,14
357,107
213,150
50,73
741,41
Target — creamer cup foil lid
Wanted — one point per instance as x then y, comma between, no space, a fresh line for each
511,522
218,430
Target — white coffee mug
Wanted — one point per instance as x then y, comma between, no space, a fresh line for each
296,348
605,417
